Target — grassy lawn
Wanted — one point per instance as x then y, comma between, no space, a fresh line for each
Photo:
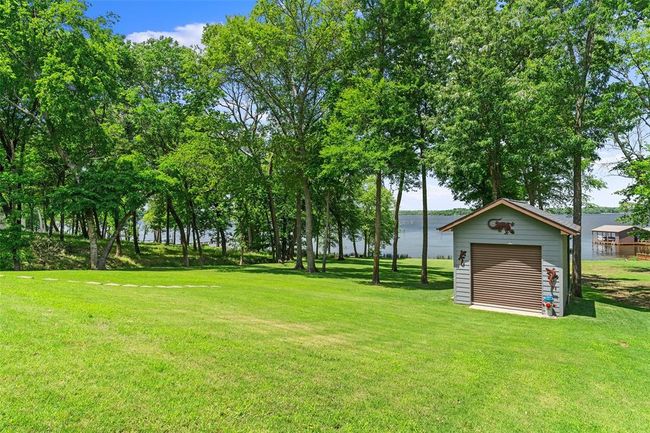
263,348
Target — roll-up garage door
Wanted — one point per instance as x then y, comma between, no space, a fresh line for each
507,275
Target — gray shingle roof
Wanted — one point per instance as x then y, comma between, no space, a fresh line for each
560,219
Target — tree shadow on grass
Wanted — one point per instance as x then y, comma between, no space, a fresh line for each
622,292
638,269
360,270
582,307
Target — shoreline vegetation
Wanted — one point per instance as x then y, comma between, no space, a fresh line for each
459,211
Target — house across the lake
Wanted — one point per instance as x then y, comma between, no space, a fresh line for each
619,235
512,256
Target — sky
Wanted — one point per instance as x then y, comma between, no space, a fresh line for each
183,20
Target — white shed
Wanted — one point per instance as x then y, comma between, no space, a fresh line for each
514,256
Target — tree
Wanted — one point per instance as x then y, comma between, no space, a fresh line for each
68,77
163,97
418,66
252,137
365,137
284,54
52,60
367,203
580,61
628,103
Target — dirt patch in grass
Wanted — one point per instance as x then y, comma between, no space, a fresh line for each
302,334
268,324
320,340
620,291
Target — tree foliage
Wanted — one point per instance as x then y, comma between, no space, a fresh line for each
282,134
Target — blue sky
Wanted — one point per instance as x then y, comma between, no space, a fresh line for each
166,15
184,20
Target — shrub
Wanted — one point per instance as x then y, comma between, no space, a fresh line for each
46,252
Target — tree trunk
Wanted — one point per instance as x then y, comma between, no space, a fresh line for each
398,202
224,249
377,250
199,247
136,242
50,226
291,253
179,224
102,232
285,253
92,236
15,253
327,231
365,244
494,168
167,225
354,246
195,232
309,227
274,220
339,230
188,232
117,235
119,225
424,277
62,226
298,233
584,66
84,227
576,276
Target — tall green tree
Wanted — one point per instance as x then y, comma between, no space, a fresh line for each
628,107
365,137
581,61
284,54
62,73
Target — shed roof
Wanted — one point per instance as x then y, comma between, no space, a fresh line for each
556,221
616,228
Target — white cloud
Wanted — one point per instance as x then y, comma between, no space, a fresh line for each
188,35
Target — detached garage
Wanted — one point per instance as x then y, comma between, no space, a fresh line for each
512,256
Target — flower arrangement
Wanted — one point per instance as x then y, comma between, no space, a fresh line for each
548,305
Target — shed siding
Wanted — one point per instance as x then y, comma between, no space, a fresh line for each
528,231
567,267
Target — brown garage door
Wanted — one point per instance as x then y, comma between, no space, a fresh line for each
507,275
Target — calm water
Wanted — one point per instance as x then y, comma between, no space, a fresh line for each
441,244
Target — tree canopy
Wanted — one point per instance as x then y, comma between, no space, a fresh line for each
300,125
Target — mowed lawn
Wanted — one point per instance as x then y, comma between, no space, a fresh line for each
263,348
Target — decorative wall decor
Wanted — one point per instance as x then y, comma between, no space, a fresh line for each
501,226
552,277
461,257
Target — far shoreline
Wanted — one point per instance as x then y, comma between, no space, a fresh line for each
591,210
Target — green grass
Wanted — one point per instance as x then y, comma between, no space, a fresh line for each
274,350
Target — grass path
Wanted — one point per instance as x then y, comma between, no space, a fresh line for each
265,349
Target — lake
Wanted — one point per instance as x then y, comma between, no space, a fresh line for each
441,244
